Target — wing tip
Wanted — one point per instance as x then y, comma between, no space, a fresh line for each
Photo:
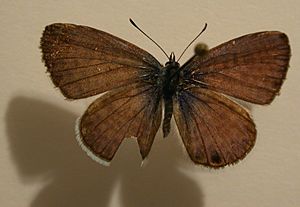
90,153
144,162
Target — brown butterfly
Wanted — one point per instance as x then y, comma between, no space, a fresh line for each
216,131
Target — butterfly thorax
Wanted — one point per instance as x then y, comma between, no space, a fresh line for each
169,78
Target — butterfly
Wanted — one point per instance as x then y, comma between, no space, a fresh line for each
215,130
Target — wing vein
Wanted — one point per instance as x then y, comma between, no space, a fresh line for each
194,119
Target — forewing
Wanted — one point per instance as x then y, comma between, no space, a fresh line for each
83,61
132,111
251,67
215,130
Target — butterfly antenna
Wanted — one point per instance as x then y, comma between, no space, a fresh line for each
132,22
192,41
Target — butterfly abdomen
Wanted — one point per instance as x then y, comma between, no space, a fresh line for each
167,116
170,80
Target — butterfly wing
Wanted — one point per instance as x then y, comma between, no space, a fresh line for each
83,61
215,130
132,111
251,67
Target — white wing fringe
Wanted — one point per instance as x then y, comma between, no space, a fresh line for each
85,148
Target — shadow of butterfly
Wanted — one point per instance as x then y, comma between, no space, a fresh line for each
216,131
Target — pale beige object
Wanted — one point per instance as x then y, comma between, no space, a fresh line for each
41,162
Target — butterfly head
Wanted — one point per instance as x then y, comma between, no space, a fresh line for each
172,60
